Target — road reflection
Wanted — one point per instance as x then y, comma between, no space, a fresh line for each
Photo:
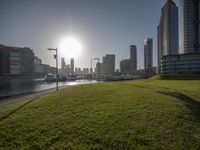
21,86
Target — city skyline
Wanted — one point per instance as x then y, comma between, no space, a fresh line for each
100,74
96,25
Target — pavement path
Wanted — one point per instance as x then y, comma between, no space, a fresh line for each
29,96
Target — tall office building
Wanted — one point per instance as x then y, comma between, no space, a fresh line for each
148,50
167,30
189,19
72,65
133,58
108,64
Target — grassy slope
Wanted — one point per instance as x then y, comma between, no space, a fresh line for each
153,114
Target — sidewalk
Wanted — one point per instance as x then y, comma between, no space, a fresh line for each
29,96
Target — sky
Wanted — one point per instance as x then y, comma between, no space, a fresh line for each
101,26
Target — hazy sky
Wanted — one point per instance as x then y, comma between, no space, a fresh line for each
102,26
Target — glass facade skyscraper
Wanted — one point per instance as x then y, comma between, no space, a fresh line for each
167,30
189,31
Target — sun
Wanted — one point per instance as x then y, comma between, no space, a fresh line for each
70,47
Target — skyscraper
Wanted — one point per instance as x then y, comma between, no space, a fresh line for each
133,58
108,64
189,18
168,30
72,65
129,66
148,57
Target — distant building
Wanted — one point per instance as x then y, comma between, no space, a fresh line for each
125,66
72,65
188,63
46,68
64,71
108,64
63,63
189,26
133,58
78,71
38,66
167,30
16,61
85,71
107,67
52,70
99,68
129,66
148,54
117,70
91,70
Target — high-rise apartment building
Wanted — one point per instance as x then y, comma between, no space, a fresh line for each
189,24
167,30
148,53
133,58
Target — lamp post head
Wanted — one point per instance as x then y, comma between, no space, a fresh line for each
52,49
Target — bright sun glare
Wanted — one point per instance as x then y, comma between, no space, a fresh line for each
70,48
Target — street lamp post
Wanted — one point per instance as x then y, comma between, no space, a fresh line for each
56,57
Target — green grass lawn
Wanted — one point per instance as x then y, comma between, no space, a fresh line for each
147,114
